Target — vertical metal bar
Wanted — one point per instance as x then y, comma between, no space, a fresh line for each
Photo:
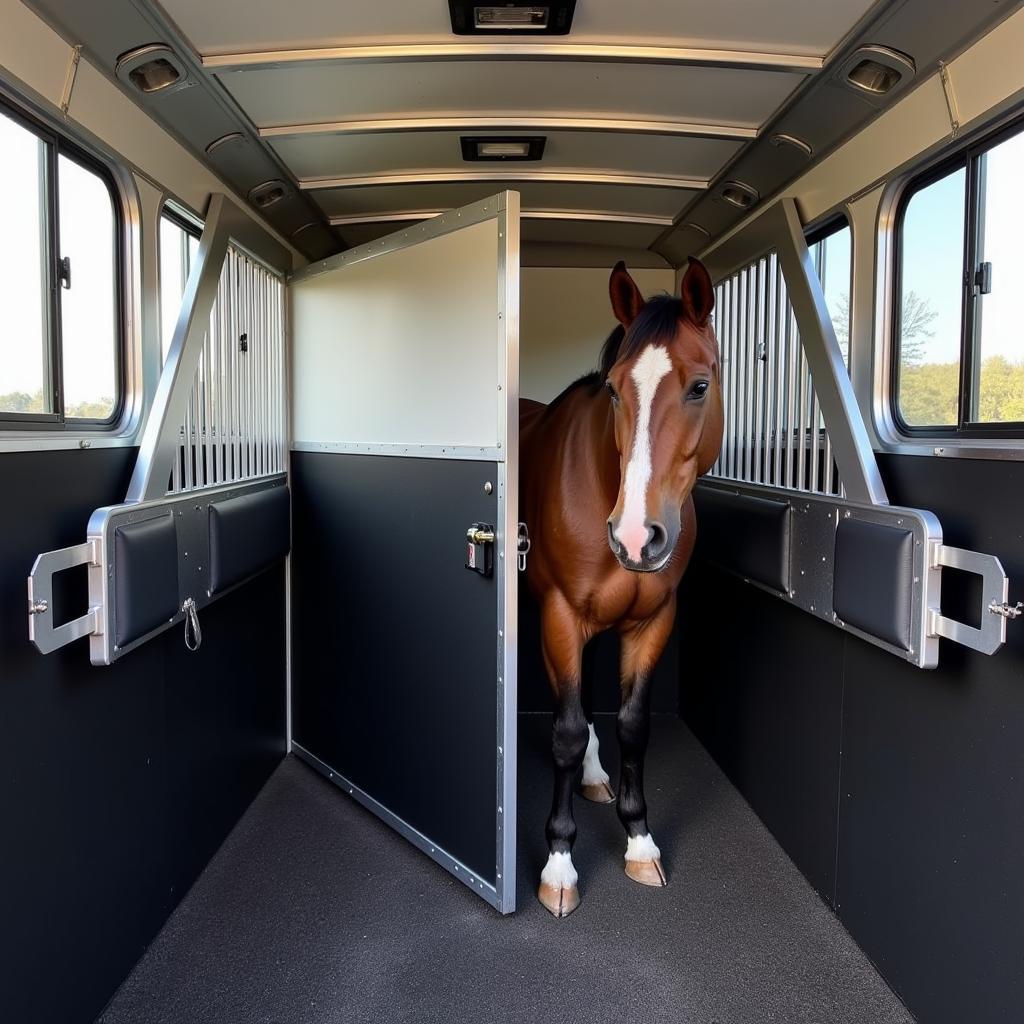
734,398
792,351
801,466
779,375
750,347
815,416
757,377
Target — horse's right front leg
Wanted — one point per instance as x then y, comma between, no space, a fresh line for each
563,642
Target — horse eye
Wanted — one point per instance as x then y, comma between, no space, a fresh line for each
699,390
611,391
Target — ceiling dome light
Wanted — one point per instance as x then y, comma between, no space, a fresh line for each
738,194
269,192
152,69
876,70
781,139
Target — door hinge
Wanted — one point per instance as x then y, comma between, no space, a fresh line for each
64,272
983,278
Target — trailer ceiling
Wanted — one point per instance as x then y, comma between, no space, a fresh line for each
647,106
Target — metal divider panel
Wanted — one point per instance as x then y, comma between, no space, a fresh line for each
146,555
247,534
873,580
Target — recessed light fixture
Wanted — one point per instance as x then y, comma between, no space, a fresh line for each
152,69
553,18
876,70
782,139
501,148
232,140
738,194
269,192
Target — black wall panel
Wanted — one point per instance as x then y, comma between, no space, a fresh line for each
117,783
761,685
394,650
926,768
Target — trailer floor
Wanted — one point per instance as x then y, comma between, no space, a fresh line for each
313,912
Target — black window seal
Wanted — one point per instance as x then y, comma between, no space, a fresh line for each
964,158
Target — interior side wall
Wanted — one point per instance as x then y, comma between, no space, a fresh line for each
117,783
894,789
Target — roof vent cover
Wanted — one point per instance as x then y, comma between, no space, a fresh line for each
470,17
874,71
152,69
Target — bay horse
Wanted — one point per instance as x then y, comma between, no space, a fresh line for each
606,472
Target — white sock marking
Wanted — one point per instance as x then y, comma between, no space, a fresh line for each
593,773
642,848
647,373
559,872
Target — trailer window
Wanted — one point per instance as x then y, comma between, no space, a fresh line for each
179,243
830,250
61,347
959,347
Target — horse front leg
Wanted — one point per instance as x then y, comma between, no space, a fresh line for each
641,647
596,783
562,640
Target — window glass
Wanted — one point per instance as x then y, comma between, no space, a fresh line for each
88,306
24,278
178,249
929,318
999,317
831,256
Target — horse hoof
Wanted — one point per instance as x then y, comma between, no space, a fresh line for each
558,901
647,872
599,792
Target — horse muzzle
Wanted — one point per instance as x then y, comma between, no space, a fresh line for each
655,552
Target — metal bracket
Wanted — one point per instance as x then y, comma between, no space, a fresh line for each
995,608
41,631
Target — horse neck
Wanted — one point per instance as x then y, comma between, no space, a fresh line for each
597,436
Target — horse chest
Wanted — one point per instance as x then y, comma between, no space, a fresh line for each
627,597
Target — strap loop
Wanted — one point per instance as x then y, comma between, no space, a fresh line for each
193,632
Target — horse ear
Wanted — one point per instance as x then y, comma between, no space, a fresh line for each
698,294
626,298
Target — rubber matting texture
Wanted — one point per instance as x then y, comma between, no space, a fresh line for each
313,912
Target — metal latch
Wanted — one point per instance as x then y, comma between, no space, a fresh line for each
64,272
523,548
42,631
995,610
983,278
480,548
193,633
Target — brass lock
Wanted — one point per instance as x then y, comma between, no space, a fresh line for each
480,548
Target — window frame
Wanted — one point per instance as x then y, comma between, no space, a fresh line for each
966,158
59,145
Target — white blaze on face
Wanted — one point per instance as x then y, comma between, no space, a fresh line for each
647,373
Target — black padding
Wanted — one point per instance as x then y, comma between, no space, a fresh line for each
145,577
873,579
749,536
247,534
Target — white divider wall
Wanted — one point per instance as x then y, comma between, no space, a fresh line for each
401,347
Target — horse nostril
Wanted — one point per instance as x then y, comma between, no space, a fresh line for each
612,542
657,542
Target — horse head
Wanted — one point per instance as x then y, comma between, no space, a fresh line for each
661,371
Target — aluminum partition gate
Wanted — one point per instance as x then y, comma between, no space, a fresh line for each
404,475
795,504
207,507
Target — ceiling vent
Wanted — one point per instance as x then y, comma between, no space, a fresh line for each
227,143
874,71
269,193
469,18
502,148
737,194
151,70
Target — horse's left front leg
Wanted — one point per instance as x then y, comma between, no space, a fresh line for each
641,647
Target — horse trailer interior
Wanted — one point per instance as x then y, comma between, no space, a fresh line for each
302,325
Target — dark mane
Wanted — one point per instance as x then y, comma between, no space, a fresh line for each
657,321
